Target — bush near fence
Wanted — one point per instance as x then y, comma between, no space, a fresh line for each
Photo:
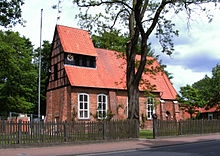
29,133
186,127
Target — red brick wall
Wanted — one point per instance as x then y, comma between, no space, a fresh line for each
57,104
167,106
122,101
63,102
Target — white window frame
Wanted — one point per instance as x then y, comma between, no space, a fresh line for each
152,108
101,102
83,109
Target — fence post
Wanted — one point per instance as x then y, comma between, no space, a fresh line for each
154,126
137,128
104,130
181,127
65,131
19,132
202,126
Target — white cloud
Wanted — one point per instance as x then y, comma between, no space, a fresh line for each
182,76
31,12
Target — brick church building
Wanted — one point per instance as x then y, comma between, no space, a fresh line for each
86,82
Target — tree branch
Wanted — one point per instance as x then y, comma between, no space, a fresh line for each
156,17
144,9
102,2
138,17
117,17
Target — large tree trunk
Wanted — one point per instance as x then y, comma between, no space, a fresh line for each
134,76
133,102
132,84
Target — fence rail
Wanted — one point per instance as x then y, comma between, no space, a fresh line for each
28,133
186,127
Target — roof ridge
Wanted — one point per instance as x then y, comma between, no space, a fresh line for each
71,27
121,52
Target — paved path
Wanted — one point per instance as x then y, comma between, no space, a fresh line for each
78,149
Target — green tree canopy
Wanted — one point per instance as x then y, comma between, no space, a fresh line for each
112,40
209,88
10,12
18,76
190,100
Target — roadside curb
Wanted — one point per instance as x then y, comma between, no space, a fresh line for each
183,143
137,149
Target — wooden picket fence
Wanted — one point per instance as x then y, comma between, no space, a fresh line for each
13,134
186,127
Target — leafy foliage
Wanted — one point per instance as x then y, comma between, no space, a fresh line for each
10,12
18,76
209,88
190,100
112,40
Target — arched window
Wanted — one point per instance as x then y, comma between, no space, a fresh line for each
150,107
83,106
102,106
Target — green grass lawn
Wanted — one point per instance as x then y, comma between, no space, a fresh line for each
146,134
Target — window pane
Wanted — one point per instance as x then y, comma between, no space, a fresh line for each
87,61
81,98
80,61
148,114
81,105
85,106
92,62
81,114
85,98
148,108
104,106
76,60
86,114
84,61
100,98
104,98
104,114
99,105
99,114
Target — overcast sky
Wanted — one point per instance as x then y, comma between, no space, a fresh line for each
197,49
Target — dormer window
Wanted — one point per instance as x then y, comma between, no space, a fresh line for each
80,60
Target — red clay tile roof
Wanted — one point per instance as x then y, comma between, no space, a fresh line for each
76,41
110,73
106,75
213,109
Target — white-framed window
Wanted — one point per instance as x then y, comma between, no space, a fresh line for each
150,107
83,106
102,106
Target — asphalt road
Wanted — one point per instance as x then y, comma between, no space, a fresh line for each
210,148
